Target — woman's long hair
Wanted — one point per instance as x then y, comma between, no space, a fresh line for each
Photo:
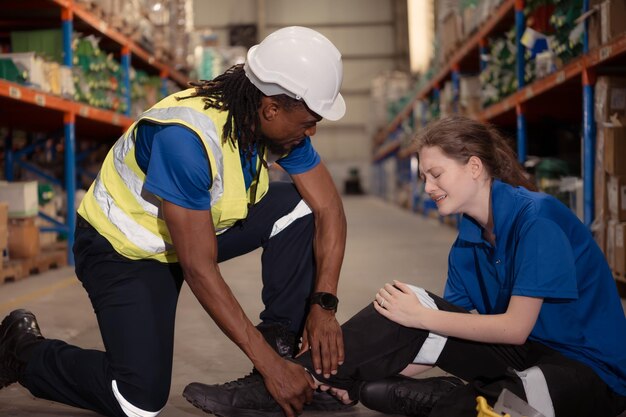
460,138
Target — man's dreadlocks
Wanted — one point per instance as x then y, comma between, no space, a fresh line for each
233,92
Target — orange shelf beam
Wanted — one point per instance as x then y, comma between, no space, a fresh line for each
40,99
386,149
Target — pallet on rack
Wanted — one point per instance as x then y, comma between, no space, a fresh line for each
10,271
46,260
49,258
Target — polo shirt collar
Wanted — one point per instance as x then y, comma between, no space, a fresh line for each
503,206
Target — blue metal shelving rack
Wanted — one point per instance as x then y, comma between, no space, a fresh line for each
520,66
69,123
584,68
71,110
589,134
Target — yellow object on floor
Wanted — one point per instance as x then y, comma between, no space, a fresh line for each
484,410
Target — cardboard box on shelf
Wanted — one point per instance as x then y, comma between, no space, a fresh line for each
612,19
4,229
614,150
4,241
607,21
22,197
4,214
610,101
610,243
23,238
450,33
619,265
593,28
616,196
599,189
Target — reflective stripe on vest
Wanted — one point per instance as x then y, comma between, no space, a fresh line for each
130,218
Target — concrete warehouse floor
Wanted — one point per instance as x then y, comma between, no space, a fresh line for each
384,243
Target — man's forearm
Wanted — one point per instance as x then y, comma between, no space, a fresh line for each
329,245
218,300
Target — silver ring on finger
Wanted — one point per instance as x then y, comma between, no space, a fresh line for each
382,303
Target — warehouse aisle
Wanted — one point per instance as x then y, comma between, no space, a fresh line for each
384,243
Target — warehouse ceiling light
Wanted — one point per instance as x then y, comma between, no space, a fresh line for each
421,31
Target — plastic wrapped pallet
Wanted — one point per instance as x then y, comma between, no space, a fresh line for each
31,66
22,198
470,96
9,71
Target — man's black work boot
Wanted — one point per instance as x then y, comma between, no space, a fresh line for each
247,396
19,333
408,396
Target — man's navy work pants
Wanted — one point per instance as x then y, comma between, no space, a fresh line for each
135,304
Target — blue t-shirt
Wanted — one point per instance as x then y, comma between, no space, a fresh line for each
177,167
542,250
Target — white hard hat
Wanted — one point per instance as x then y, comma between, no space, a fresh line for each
302,64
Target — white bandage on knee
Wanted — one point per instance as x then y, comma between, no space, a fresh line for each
434,343
129,409
536,388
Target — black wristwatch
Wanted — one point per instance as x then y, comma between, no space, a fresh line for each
326,300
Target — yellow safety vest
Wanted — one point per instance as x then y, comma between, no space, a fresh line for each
130,218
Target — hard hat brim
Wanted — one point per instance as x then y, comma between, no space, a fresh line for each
333,113
336,111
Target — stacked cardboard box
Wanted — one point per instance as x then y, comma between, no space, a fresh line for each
610,171
470,96
4,232
23,238
22,206
450,34
607,21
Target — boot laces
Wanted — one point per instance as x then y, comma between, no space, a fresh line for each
416,403
249,379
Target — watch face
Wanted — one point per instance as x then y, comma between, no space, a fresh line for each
328,301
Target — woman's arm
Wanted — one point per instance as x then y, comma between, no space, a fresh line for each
512,327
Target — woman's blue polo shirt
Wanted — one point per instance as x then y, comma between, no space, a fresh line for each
543,250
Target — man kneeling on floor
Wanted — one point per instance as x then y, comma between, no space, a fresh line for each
185,188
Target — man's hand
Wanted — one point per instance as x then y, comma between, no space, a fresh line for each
322,334
290,385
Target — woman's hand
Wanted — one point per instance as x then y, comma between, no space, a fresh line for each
399,303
